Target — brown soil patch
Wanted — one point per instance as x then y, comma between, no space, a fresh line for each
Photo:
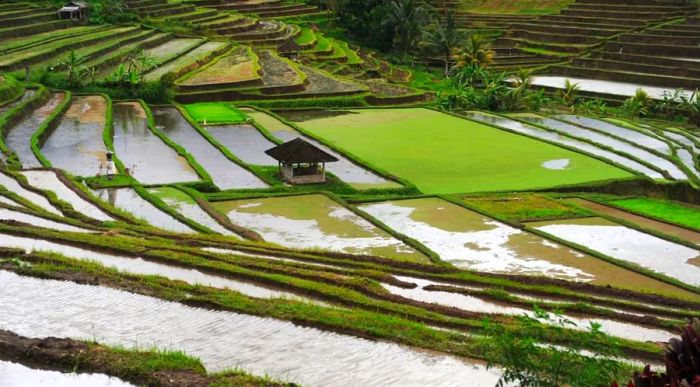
233,68
88,109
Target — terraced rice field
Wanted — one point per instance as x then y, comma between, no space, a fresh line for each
148,158
185,205
315,222
494,159
200,53
77,145
237,67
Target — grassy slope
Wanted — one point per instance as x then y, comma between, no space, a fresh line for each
668,211
444,154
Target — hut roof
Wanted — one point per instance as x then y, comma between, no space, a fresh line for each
299,151
73,6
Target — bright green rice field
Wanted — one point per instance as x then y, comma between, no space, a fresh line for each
441,153
664,210
215,113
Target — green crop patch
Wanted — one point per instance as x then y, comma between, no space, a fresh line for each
441,153
215,113
663,210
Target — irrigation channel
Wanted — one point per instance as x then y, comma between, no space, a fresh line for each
17,375
223,339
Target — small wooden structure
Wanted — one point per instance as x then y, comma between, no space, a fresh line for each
301,162
289,49
74,10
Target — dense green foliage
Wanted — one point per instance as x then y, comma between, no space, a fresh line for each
664,210
215,113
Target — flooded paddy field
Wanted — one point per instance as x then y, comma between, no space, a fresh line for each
647,140
223,339
39,200
128,200
47,180
344,169
185,205
433,149
245,142
149,159
77,145
602,139
18,375
601,86
225,173
18,138
38,221
556,138
144,267
472,241
617,241
476,304
27,95
315,222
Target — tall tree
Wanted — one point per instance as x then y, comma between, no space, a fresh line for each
443,39
408,18
475,51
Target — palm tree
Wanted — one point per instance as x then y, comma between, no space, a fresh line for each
443,39
475,51
74,65
408,17
569,93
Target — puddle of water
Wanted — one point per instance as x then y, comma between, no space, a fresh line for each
628,244
619,131
475,304
600,86
315,222
556,138
128,200
185,205
618,145
150,160
48,180
476,242
245,142
225,173
142,267
19,136
344,169
28,94
12,185
223,339
559,164
17,375
76,145
6,214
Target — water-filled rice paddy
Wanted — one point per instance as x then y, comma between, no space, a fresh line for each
441,153
473,241
222,339
142,267
77,145
315,222
37,221
47,180
557,138
346,170
245,141
148,158
17,375
602,139
128,200
643,139
185,205
225,173
19,136
39,200
601,86
672,259
28,94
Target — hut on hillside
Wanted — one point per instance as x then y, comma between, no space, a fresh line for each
74,10
289,49
301,162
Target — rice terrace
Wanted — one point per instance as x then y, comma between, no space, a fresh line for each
350,193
